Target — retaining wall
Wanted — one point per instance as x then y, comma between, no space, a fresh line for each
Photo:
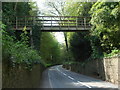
105,69
19,77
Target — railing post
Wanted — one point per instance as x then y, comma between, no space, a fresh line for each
31,38
8,21
42,22
16,22
76,23
89,21
51,22
34,20
68,23
85,22
25,20
60,23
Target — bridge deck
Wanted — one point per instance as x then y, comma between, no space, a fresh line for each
52,23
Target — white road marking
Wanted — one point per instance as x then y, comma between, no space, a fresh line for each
61,72
58,69
74,79
64,74
71,77
84,84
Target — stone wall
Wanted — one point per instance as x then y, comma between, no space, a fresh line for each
105,69
19,77
111,69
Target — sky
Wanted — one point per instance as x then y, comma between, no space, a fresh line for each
58,35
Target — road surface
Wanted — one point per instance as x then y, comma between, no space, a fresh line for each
58,77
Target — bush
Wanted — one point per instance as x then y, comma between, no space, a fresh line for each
113,53
18,52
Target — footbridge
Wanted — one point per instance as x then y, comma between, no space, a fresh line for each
52,23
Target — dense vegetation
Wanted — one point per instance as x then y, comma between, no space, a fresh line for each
105,21
80,46
103,39
50,49
18,52
21,48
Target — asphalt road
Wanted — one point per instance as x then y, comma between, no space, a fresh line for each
58,77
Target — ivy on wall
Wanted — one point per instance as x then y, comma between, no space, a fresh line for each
36,35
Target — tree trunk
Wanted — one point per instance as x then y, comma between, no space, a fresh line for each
66,42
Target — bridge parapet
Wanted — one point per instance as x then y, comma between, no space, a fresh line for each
51,22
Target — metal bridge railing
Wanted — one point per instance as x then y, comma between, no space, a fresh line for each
50,21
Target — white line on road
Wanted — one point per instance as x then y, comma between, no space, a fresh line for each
58,69
61,72
84,84
71,78
64,74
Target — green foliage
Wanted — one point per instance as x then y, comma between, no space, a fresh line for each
105,21
16,48
113,53
18,52
80,46
49,49
105,32
96,48
12,9
73,8
36,35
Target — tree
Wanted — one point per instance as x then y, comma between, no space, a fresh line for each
106,24
18,48
57,8
49,49
80,46
73,8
